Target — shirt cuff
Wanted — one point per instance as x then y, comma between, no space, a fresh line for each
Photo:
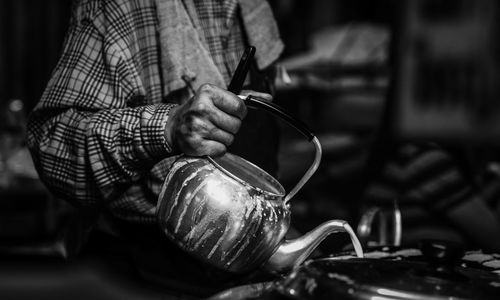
153,134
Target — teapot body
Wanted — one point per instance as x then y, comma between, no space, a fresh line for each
225,212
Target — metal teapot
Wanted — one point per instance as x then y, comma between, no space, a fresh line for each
231,214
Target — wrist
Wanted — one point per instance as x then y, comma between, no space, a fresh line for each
169,131
151,139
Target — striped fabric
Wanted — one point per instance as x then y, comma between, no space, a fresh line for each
424,176
428,183
222,33
97,134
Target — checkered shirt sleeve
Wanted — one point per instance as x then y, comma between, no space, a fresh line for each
97,134
99,126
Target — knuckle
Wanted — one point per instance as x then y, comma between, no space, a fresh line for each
237,126
193,121
206,88
234,126
190,134
209,148
218,149
213,131
202,108
194,144
187,123
230,139
241,108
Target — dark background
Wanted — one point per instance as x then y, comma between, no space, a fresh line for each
31,35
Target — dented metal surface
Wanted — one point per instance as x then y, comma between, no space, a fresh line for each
219,219
232,215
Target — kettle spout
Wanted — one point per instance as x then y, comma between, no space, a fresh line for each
292,253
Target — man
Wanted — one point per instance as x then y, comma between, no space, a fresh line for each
118,109
140,82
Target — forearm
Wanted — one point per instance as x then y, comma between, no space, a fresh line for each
89,157
100,123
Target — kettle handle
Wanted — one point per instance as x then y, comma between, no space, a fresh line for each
256,102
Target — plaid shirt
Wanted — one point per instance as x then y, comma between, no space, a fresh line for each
97,135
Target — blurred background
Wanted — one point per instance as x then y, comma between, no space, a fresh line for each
382,83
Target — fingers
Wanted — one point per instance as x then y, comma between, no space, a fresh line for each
224,100
206,124
224,121
221,136
202,147
198,129
198,137
223,109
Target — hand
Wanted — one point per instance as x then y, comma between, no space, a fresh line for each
206,123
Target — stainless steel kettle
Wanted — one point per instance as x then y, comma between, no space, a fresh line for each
231,214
